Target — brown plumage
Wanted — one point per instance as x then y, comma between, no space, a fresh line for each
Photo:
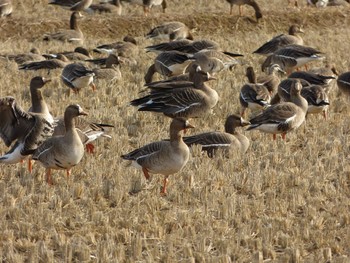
240,3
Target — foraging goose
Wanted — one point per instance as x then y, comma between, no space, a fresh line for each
6,8
29,130
59,62
343,83
282,40
314,79
88,131
240,3
73,35
106,7
72,5
184,45
62,152
79,53
77,76
124,48
317,99
230,140
186,99
170,31
214,61
253,95
283,117
169,63
327,71
163,157
291,57
33,55
148,4
111,72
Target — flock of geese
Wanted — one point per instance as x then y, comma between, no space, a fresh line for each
187,67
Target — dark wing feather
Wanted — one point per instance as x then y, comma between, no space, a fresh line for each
144,150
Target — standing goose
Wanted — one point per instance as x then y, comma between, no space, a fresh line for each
29,130
187,99
169,63
163,157
292,57
282,40
62,152
106,7
170,31
72,5
253,95
271,80
343,83
283,117
73,35
6,8
240,3
125,48
148,4
230,140
77,76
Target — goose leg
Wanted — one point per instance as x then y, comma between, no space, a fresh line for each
165,182
93,86
68,173
243,113
90,148
48,176
274,137
231,8
30,165
145,172
241,10
325,114
284,136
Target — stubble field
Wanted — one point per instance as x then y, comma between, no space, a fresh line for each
283,201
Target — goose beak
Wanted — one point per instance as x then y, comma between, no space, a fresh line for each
244,122
212,78
46,80
83,113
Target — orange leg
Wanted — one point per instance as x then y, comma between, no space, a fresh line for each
243,113
325,114
241,10
145,172
68,171
231,8
48,176
306,67
165,182
274,137
90,148
30,165
284,136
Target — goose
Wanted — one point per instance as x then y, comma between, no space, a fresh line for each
27,130
6,8
283,117
253,95
343,83
79,53
169,63
271,80
293,38
77,76
187,99
111,72
283,89
184,45
126,48
170,31
240,3
88,131
313,78
106,7
292,56
73,35
33,55
317,100
148,4
62,152
72,5
163,157
214,61
59,62
230,140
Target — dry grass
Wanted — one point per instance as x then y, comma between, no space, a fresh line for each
286,201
